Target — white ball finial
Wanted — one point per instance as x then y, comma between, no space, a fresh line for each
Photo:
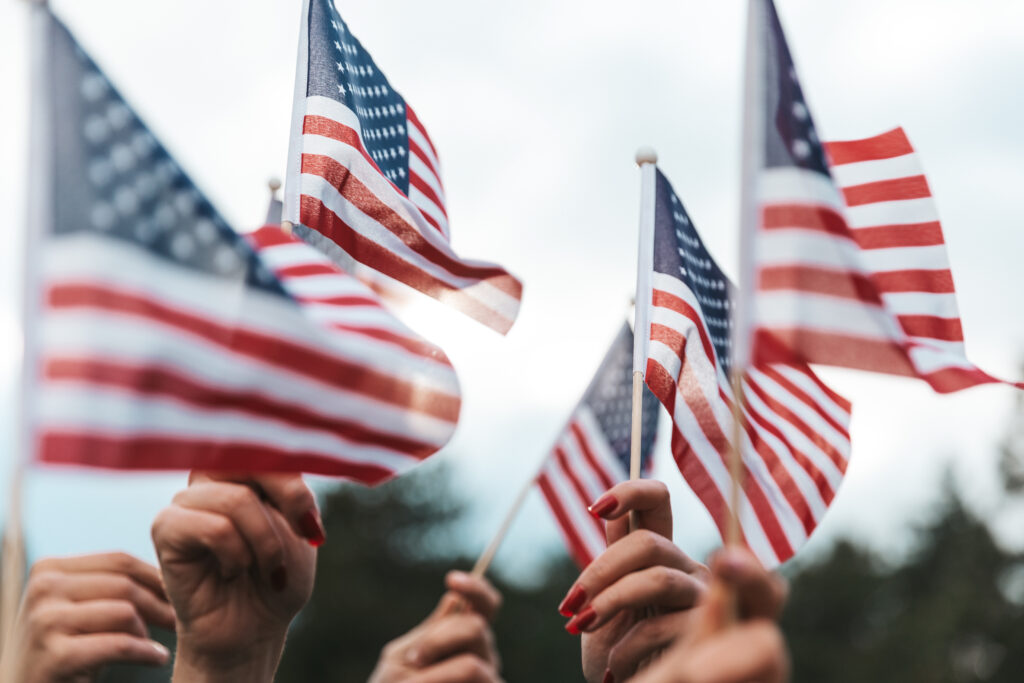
274,184
646,155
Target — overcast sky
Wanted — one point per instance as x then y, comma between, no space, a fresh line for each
536,108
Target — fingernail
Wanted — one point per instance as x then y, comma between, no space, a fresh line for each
581,621
160,649
573,601
608,678
312,529
279,579
604,505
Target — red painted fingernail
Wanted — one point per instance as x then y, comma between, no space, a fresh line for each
608,678
279,579
573,601
312,529
581,621
603,506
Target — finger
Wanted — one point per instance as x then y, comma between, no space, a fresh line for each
647,497
645,640
637,551
250,516
93,616
287,492
759,593
753,651
78,588
482,597
661,587
445,638
193,534
113,563
87,652
464,668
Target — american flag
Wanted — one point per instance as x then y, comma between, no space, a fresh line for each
851,267
166,340
364,180
592,453
796,440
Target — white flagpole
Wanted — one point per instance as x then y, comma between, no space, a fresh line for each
646,159
750,166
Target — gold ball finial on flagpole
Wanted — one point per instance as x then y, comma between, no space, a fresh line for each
646,155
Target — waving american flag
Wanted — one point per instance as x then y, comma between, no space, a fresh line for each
364,179
163,339
592,453
795,437
850,262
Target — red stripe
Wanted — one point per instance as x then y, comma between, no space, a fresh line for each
806,464
376,256
361,197
949,380
885,146
153,381
412,118
167,452
428,191
271,236
783,412
674,339
331,370
805,216
815,280
906,235
414,148
335,130
582,495
577,548
828,348
932,327
342,301
897,189
804,397
928,281
592,460
308,269
410,344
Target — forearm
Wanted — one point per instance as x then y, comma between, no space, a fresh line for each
255,665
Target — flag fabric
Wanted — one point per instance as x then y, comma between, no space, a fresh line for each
364,180
851,266
165,340
592,454
796,440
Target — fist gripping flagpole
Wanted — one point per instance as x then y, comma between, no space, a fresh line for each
646,159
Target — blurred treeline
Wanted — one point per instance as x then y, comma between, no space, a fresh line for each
950,612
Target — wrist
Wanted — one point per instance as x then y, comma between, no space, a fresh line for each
255,663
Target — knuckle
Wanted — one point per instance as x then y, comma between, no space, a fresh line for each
125,615
297,494
42,620
42,584
121,562
236,495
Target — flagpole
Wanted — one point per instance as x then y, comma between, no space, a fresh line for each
646,159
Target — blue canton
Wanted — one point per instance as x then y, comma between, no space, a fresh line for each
610,399
113,178
680,253
342,70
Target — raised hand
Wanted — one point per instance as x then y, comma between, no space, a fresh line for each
751,650
633,600
80,614
453,645
238,563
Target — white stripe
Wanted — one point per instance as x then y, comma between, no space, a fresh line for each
790,185
894,259
899,212
577,464
482,291
428,207
798,246
929,359
317,105
67,406
420,138
358,316
577,513
794,310
598,442
418,167
922,303
817,394
125,339
877,170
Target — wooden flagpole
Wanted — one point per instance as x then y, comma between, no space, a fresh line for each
14,558
646,159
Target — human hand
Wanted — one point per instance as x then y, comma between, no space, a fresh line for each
82,613
633,600
751,650
453,645
238,565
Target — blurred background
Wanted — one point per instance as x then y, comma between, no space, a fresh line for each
536,109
